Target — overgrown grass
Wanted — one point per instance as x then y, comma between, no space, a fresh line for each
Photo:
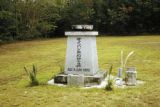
47,53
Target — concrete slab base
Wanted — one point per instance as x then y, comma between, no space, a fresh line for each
79,80
101,85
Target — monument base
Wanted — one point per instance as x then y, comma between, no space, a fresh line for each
80,80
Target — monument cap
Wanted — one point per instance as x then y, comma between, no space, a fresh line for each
82,27
82,30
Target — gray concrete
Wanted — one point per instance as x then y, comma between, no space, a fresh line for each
75,80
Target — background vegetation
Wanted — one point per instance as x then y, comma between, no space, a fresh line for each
28,19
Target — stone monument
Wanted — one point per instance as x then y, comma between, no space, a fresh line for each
81,67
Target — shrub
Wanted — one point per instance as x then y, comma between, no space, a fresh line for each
32,75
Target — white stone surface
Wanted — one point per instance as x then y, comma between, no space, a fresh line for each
119,81
81,56
81,33
51,82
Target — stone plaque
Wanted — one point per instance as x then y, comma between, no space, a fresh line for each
75,80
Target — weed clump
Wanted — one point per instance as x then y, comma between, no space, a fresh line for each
32,74
109,86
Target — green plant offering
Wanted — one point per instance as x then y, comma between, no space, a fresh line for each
109,86
32,76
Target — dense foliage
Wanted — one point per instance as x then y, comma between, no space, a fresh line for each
27,19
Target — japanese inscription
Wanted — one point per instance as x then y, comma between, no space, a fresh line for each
78,66
79,57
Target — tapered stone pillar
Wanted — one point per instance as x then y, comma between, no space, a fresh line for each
81,55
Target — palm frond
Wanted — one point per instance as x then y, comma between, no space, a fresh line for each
121,58
128,56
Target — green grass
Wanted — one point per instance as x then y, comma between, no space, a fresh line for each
47,55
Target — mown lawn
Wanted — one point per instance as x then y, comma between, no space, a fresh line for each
48,55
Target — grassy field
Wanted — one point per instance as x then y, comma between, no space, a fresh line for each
48,55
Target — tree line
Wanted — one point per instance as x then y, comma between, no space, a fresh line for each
28,19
